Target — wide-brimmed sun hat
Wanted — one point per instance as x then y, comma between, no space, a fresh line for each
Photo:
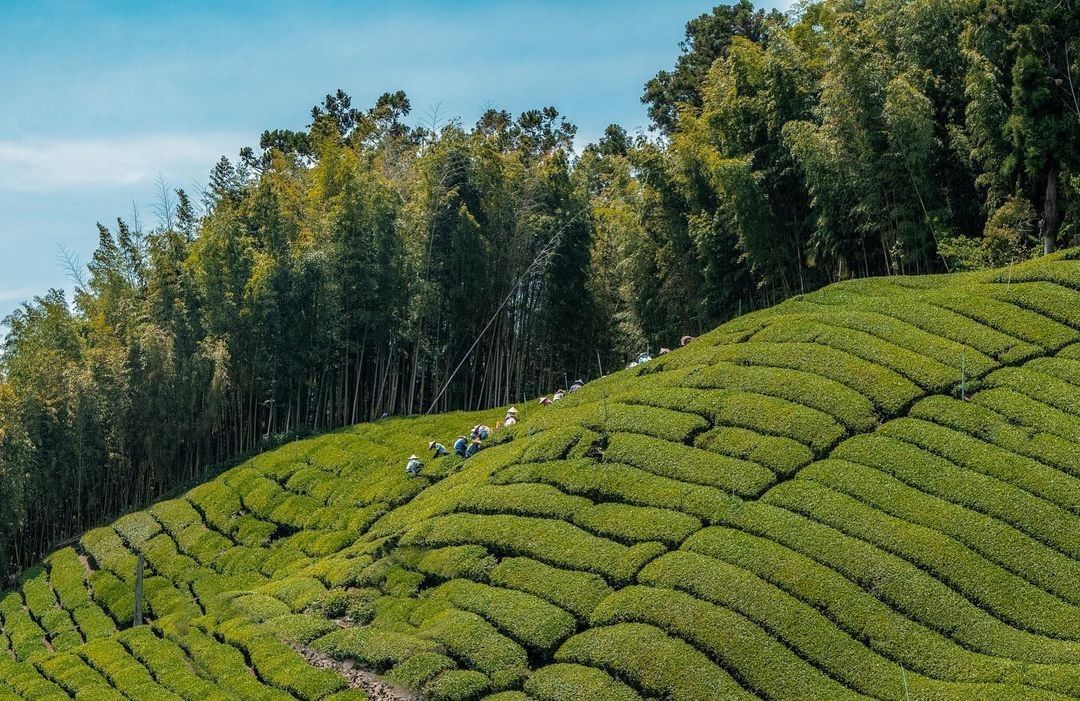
431,445
511,410
413,457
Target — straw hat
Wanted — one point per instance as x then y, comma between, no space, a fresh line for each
413,457
511,410
685,339
545,400
431,445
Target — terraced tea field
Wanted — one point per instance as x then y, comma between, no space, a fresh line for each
872,491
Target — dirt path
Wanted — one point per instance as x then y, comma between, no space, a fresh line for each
376,689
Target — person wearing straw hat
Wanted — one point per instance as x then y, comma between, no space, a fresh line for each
578,384
412,468
545,400
438,448
473,449
684,340
511,417
559,394
460,446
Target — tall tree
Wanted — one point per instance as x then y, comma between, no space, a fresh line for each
708,38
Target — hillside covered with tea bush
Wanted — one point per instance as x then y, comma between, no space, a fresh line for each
871,491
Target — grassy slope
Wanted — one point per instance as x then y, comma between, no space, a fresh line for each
870,491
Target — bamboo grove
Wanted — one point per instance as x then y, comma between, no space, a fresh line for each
341,273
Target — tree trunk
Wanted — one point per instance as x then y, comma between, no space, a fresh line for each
1051,219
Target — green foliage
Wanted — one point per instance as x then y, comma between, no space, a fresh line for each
299,627
175,515
1003,593
93,623
573,591
686,464
473,640
460,561
125,674
525,499
414,672
623,483
986,425
755,411
115,597
555,444
27,638
75,677
559,543
378,649
572,682
67,576
885,388
352,605
990,537
781,455
201,543
1029,412
760,661
1036,478
626,418
528,620
350,695
457,685
168,664
930,375
894,301
279,665
831,641
1037,518
109,552
903,585
227,667
137,528
655,662
1039,386
636,524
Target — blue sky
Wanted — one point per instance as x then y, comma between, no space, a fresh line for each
100,100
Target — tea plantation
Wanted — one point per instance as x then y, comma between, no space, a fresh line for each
872,491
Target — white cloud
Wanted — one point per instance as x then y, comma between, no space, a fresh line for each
44,165
17,295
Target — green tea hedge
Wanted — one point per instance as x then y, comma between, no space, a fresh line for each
574,682
530,621
655,663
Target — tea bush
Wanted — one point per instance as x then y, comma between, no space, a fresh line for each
872,490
